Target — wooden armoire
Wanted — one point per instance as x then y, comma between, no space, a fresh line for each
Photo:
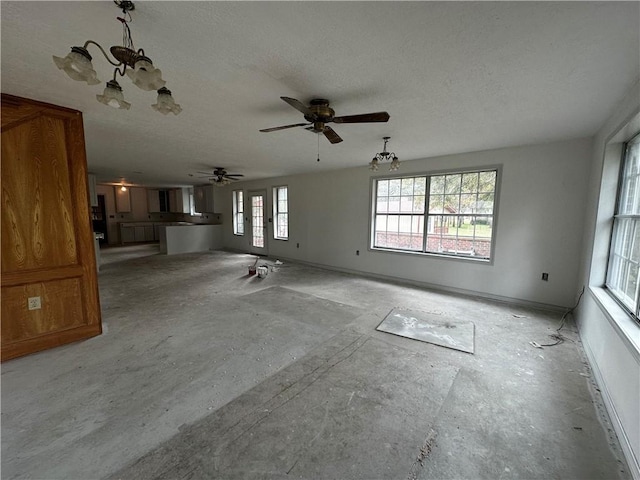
48,272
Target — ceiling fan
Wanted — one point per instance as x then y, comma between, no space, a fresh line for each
318,114
220,176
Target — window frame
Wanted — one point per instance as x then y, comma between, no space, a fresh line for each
238,216
424,252
617,221
277,212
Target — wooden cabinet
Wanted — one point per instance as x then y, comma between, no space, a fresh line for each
49,277
123,200
159,200
93,194
203,198
179,200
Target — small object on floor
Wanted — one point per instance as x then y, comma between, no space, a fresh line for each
278,262
263,270
252,268
426,327
533,343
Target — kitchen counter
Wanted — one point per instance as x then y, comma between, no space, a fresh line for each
135,232
176,239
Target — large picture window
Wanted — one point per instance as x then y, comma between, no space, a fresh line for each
448,214
624,256
281,213
238,212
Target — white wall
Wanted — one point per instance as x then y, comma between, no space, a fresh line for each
611,339
539,224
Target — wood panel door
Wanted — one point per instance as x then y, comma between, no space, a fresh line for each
49,279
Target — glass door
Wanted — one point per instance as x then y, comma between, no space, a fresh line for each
258,223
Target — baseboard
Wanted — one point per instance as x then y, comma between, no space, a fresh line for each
430,286
625,444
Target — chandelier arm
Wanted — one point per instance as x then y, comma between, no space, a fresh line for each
103,52
117,70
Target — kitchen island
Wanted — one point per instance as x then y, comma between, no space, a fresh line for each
176,239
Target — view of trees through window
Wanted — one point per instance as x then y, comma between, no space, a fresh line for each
450,214
624,257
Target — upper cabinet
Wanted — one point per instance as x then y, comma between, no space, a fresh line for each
153,200
93,194
203,198
123,200
175,200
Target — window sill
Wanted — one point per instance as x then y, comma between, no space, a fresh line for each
621,321
464,258
281,239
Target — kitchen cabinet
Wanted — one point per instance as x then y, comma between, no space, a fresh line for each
158,200
179,200
93,194
203,198
127,234
138,233
123,200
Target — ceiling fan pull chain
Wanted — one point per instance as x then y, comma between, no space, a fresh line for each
318,148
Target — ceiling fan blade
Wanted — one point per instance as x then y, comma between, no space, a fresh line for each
331,135
273,129
363,118
301,107
234,175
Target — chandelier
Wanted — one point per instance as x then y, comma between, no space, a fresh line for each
383,156
134,63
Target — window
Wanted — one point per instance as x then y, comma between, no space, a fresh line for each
238,212
624,254
449,214
280,213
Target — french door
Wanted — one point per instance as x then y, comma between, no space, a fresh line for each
258,203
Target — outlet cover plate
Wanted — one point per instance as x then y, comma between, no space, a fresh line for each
34,303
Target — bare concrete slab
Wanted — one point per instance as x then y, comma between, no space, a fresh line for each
204,372
320,418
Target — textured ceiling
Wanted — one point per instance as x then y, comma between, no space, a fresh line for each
455,77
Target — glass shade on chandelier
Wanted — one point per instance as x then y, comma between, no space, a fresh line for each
165,103
77,64
113,96
134,63
374,165
145,76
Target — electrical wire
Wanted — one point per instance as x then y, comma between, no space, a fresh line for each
558,337
564,317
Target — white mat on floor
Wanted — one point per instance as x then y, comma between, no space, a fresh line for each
431,328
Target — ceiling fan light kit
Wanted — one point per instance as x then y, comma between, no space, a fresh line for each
384,156
129,61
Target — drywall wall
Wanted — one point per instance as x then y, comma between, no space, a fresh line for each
610,337
538,228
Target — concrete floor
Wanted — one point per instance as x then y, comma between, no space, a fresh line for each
204,372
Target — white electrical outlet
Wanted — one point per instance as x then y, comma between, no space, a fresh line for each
33,303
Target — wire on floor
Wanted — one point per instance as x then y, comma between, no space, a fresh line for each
558,337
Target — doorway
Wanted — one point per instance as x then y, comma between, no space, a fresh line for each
99,219
258,245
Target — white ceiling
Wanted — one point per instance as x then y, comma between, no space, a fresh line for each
454,77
